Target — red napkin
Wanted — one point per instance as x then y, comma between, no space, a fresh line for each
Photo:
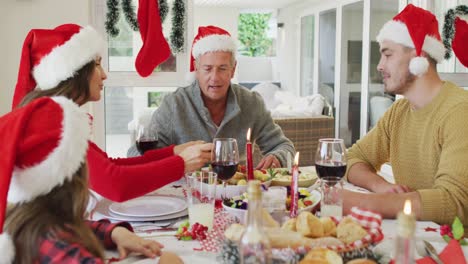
452,254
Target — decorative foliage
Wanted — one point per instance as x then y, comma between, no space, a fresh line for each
456,231
163,9
112,17
129,13
253,34
448,31
178,26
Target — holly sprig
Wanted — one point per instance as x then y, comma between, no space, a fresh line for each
456,231
186,232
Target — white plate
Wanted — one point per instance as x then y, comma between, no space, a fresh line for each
149,206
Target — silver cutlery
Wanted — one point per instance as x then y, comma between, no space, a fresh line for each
432,252
425,249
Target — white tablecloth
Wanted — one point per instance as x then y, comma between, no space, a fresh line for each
185,249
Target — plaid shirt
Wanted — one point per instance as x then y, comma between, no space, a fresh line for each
54,250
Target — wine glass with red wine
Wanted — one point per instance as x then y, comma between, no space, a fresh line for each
225,159
145,140
330,159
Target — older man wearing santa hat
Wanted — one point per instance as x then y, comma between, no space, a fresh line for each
212,107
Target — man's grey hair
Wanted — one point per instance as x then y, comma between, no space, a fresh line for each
233,59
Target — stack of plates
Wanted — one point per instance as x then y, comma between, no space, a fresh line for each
145,208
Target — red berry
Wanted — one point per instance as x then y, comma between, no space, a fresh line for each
445,230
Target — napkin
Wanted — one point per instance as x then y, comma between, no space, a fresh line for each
452,253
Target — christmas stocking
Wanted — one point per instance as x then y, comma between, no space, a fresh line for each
460,41
155,49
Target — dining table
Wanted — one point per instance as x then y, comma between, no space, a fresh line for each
194,252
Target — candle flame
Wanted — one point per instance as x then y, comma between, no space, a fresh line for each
407,207
296,158
248,134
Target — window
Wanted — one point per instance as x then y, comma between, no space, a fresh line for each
257,34
128,95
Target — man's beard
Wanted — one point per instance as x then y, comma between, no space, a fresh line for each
404,84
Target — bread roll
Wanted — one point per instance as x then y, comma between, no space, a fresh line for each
349,231
322,255
361,261
329,226
268,221
309,225
290,225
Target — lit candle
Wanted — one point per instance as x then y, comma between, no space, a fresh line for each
406,221
294,187
404,242
250,175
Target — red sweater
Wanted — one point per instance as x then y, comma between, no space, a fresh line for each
121,179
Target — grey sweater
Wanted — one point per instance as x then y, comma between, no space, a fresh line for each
183,117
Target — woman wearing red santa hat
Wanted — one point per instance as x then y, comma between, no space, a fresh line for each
44,181
65,61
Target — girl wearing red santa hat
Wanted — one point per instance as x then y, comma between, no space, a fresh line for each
44,181
65,61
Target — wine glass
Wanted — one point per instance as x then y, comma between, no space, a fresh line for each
145,139
225,159
330,164
330,158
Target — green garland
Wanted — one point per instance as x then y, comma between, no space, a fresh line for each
449,27
112,17
163,9
178,26
129,12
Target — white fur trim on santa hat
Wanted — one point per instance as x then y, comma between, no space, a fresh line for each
63,61
418,65
61,163
213,43
7,249
397,31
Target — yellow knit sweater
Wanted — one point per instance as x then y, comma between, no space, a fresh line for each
428,150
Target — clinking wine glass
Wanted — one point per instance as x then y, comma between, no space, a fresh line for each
225,159
145,139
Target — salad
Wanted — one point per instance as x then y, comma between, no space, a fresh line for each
241,201
240,178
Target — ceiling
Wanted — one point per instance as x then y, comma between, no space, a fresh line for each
270,4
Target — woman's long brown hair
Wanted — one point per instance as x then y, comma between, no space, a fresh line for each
56,215
75,88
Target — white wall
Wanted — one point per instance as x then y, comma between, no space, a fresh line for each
225,18
17,18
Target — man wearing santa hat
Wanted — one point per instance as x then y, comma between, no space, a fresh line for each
424,135
212,107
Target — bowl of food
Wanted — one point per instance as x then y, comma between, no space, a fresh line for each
282,177
237,205
238,183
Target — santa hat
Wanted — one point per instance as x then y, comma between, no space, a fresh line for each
155,49
50,56
415,28
455,33
38,153
210,39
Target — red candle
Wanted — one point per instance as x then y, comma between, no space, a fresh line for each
294,188
250,175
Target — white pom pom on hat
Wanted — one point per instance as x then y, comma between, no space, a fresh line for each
7,248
